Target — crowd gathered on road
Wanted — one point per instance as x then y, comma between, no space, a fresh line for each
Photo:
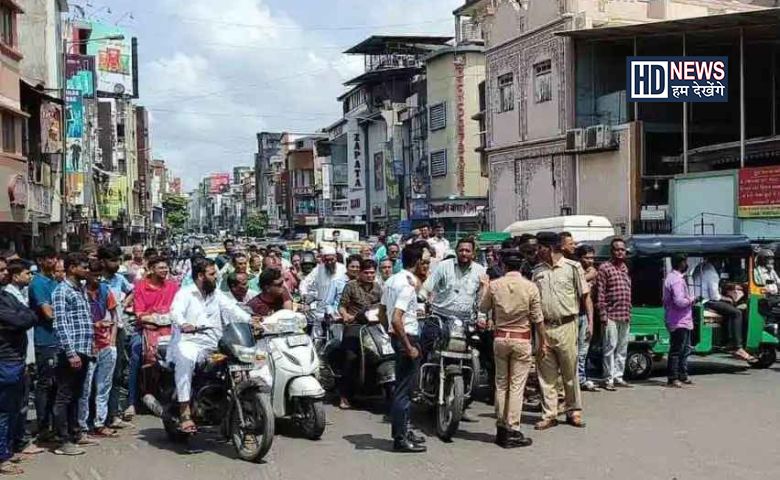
78,328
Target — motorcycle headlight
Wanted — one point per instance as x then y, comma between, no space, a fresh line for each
247,354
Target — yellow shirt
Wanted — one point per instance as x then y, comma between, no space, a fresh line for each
514,301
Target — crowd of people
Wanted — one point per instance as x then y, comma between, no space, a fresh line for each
75,322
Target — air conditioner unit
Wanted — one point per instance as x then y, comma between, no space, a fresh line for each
598,136
574,139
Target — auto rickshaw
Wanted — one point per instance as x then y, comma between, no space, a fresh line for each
649,259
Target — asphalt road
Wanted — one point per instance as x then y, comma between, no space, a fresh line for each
725,427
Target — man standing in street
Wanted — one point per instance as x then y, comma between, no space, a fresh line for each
18,279
568,247
587,257
614,302
562,287
440,244
123,294
515,304
399,301
15,320
73,326
679,320
394,254
46,345
103,307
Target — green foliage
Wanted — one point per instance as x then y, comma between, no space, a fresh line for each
256,225
176,214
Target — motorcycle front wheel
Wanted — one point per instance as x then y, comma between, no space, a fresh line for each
254,440
448,415
311,419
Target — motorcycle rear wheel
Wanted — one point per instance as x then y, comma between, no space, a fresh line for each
253,442
448,415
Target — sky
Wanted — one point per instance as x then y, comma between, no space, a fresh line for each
214,75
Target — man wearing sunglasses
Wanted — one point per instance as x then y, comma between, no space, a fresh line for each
614,304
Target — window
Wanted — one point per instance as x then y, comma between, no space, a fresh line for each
9,133
543,82
506,93
439,163
438,114
7,25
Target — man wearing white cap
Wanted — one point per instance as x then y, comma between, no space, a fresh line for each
318,281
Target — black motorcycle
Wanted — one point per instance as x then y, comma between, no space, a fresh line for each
228,390
447,373
376,357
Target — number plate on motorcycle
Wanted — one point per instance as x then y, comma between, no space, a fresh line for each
240,368
297,340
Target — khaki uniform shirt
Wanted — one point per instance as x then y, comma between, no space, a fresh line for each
561,286
514,301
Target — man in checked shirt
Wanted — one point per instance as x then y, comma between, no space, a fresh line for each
614,303
73,326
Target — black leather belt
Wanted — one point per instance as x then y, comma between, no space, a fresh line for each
560,321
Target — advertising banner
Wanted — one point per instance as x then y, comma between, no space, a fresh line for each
759,192
51,128
326,181
391,184
80,73
75,111
114,66
75,188
74,159
219,183
113,198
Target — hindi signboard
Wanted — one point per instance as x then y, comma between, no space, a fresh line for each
759,192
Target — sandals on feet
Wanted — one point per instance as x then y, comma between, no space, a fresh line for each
188,426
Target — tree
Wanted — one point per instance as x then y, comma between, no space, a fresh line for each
256,224
176,215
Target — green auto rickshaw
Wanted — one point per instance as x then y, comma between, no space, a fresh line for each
649,258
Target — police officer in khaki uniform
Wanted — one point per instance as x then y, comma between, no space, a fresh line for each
515,304
562,287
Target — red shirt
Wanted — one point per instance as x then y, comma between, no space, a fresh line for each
150,298
263,307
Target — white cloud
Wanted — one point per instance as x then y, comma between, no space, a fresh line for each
254,67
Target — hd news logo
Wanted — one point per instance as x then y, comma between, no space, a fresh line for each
677,79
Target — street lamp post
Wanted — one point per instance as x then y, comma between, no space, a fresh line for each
64,132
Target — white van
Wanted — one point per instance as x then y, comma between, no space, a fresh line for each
584,228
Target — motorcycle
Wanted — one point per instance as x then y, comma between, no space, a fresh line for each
230,390
294,363
376,357
447,373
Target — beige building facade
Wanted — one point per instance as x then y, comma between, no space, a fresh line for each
530,75
458,190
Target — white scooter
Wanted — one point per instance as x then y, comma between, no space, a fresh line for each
294,364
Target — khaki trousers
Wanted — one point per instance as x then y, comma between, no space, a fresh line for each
513,361
561,357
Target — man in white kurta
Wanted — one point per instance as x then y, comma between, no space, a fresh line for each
194,307
318,282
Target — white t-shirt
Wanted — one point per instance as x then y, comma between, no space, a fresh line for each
400,292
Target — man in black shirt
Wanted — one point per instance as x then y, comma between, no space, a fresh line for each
15,320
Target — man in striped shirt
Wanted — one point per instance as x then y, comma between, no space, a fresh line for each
614,302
